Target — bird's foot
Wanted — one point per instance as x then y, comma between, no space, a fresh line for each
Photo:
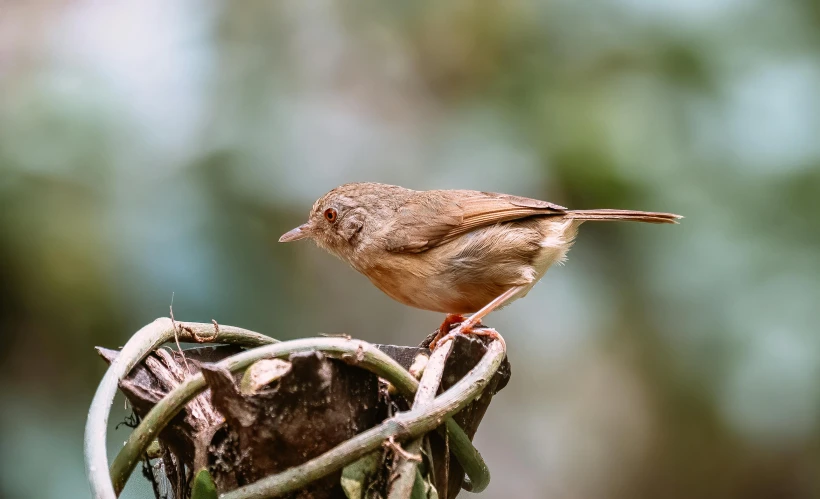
444,329
466,326
482,331
449,321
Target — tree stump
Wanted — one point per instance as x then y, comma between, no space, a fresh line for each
282,413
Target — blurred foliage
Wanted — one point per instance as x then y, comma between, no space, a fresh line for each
150,149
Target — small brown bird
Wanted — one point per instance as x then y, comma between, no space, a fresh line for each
450,251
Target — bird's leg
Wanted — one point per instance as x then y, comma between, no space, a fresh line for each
475,319
467,325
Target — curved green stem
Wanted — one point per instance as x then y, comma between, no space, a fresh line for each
405,470
107,485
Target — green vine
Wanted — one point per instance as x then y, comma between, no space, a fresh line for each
411,424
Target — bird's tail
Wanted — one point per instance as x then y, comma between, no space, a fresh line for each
652,217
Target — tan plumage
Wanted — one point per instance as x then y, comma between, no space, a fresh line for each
451,251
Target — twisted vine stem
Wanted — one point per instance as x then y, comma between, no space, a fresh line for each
414,423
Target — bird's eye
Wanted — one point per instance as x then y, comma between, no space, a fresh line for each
330,215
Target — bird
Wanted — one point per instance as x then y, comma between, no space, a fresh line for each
451,251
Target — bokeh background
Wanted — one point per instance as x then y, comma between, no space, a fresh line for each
152,148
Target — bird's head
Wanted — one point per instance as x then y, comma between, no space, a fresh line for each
344,218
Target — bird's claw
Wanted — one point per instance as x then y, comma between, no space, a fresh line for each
466,327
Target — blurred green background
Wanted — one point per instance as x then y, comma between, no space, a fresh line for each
154,148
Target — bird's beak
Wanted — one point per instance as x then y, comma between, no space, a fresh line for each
300,232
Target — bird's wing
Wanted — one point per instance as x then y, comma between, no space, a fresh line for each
431,218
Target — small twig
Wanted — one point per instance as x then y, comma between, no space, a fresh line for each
176,334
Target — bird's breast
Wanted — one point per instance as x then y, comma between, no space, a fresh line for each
415,280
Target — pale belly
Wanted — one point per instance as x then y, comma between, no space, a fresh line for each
457,278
